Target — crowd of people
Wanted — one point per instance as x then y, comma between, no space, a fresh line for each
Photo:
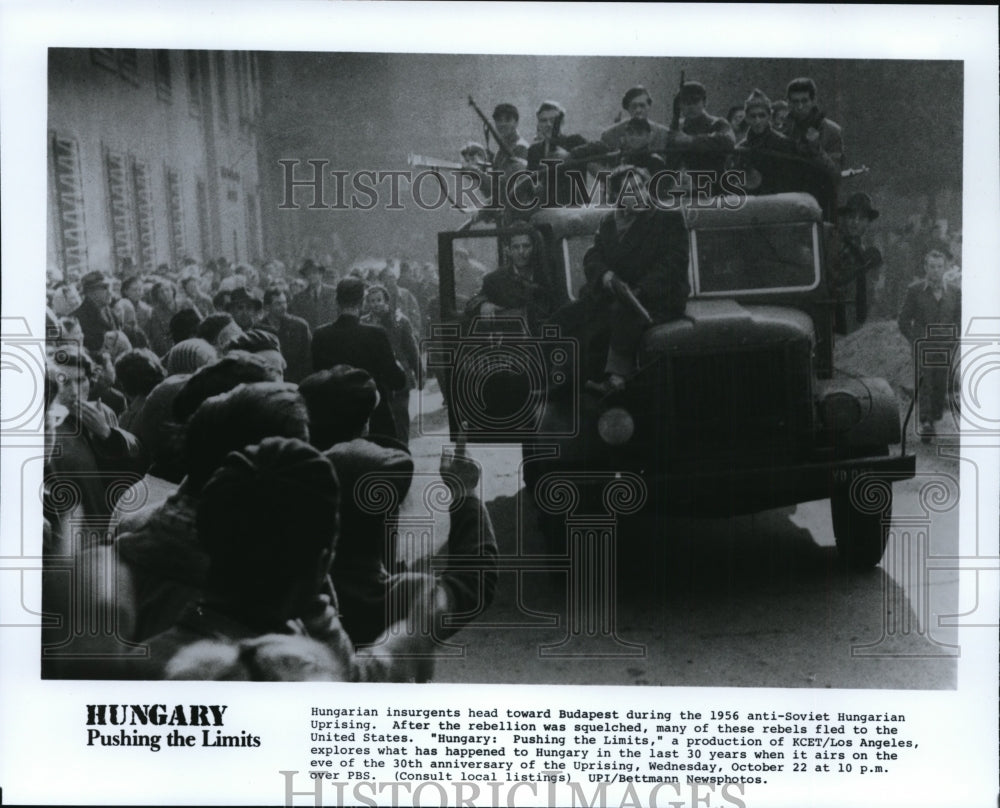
209,446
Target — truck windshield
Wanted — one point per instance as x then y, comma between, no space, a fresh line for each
767,258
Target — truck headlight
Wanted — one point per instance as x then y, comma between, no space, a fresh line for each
840,411
615,426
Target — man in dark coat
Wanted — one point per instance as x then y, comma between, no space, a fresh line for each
293,334
703,141
95,460
760,153
818,140
519,285
637,103
858,264
95,314
350,342
646,248
553,186
317,303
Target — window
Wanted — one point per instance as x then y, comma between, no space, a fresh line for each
255,100
202,205
175,215
253,231
161,72
128,64
221,79
72,235
123,61
244,90
142,188
119,207
193,83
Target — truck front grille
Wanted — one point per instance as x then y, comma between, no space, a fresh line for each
735,405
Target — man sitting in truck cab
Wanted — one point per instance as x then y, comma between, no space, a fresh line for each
641,249
518,288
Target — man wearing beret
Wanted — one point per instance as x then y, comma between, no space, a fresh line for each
703,142
317,303
637,103
858,268
95,314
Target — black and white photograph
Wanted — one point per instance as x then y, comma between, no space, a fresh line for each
503,413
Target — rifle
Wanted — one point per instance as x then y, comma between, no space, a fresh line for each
621,290
491,130
421,161
675,120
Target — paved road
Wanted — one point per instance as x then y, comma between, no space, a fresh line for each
750,601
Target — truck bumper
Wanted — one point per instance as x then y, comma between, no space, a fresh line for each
730,491
733,491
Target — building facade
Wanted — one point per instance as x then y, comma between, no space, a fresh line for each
152,158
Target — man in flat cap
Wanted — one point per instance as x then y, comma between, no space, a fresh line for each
702,142
317,303
95,314
858,267
637,103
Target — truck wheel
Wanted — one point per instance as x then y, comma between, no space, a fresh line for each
861,534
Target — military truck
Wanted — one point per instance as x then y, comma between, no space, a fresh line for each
735,408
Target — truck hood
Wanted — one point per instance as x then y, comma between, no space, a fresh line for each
712,325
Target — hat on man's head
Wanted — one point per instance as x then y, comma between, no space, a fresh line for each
472,147
94,280
859,203
241,296
693,91
757,99
506,111
550,106
309,266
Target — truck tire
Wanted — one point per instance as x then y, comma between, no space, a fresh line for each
860,529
